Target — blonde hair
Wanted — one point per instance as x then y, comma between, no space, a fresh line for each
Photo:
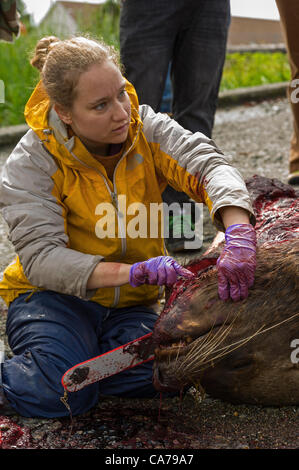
61,62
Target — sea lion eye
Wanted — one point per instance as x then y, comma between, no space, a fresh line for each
243,363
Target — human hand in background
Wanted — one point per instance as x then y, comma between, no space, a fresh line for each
237,262
162,270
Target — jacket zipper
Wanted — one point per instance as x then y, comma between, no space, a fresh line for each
113,195
120,218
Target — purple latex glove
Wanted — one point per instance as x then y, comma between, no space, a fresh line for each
162,270
237,262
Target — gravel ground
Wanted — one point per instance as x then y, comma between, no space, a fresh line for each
257,137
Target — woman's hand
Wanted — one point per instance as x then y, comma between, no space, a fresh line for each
237,262
162,270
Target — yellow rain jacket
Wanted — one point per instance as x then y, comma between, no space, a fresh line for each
59,203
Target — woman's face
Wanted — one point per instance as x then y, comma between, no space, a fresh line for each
101,113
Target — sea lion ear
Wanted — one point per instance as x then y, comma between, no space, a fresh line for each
64,114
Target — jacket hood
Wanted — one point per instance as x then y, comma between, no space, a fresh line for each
45,122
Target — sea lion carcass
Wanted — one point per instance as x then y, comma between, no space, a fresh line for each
242,352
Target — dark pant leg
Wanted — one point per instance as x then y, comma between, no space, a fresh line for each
198,62
197,66
147,34
48,334
122,326
148,31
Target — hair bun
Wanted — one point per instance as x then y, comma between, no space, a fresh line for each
42,49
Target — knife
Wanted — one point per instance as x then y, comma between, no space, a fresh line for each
124,357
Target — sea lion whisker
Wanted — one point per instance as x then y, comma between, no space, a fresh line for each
211,338
259,331
196,356
178,352
201,358
244,341
203,344
199,351
225,353
195,344
215,338
194,348
222,332
201,355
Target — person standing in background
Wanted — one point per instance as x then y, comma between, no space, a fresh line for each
9,20
289,16
191,36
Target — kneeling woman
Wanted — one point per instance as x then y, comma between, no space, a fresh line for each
71,292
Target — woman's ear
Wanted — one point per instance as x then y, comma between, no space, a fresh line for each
64,114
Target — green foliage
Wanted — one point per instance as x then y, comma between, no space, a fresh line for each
18,76
105,24
252,69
